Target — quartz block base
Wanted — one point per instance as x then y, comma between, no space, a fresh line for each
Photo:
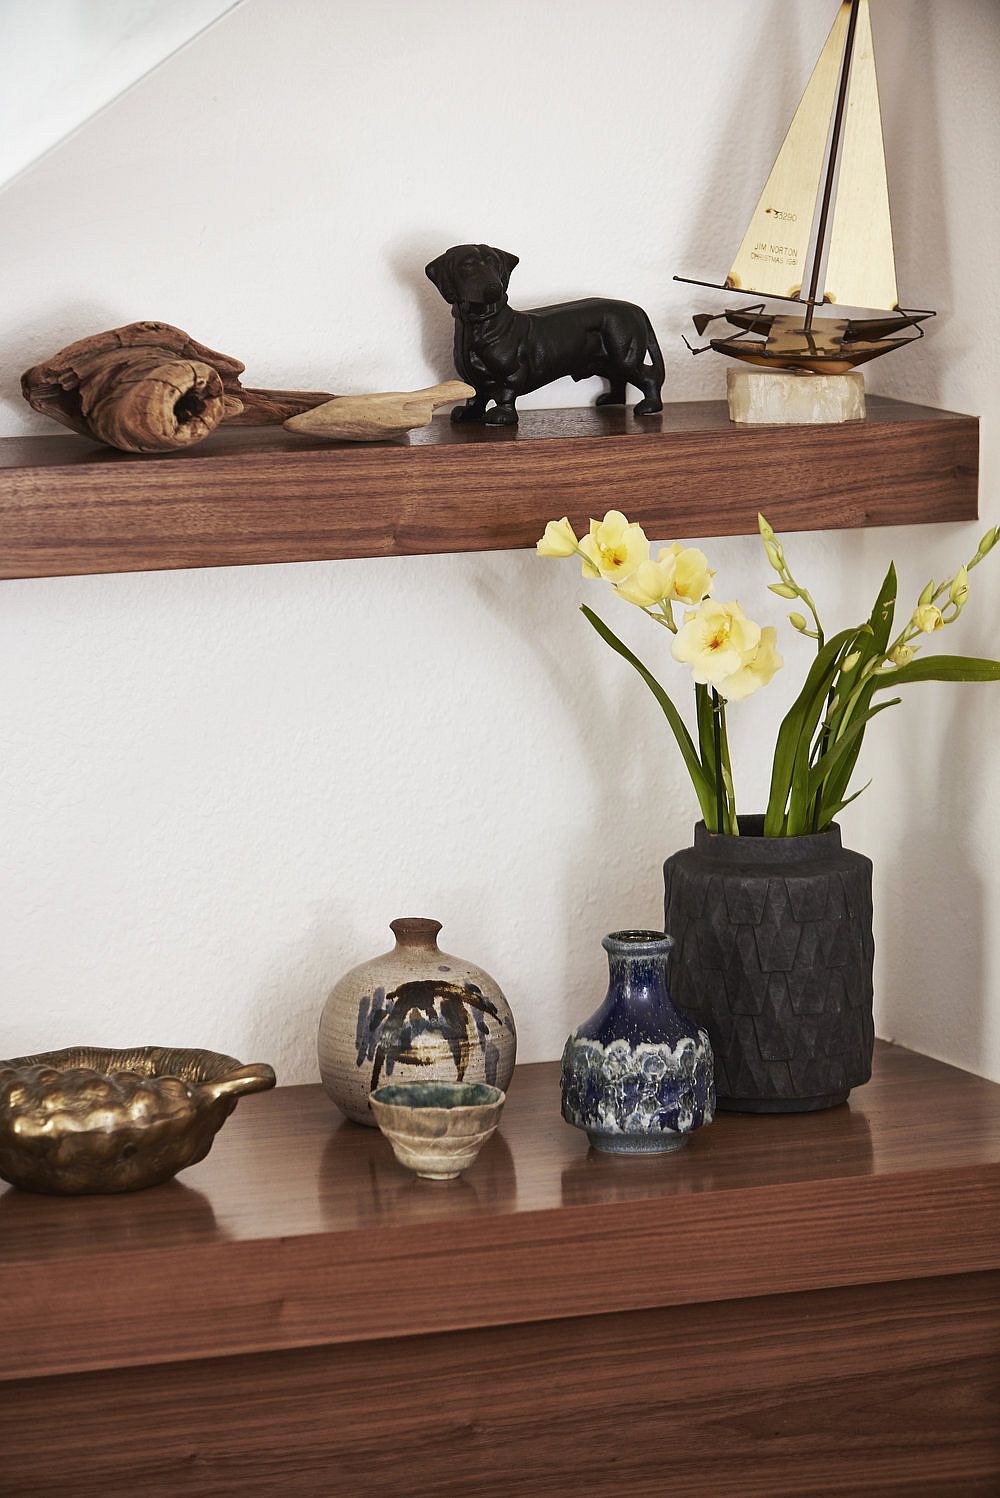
762,397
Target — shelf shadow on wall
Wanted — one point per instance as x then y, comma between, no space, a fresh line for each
407,258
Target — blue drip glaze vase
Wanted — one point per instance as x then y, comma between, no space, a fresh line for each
638,1075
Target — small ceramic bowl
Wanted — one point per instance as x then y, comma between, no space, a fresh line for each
437,1128
86,1121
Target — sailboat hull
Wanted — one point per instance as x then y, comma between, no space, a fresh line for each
829,346
870,329
820,362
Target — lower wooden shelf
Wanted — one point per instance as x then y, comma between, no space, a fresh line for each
790,1306
257,495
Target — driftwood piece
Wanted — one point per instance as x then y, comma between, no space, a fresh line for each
150,387
374,418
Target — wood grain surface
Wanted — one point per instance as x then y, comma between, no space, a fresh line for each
262,495
301,1229
851,1393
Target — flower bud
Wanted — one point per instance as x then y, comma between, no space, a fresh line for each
783,590
927,594
988,542
902,655
775,555
765,530
959,591
850,661
928,617
559,539
797,622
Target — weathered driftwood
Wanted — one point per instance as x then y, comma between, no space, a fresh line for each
150,387
374,418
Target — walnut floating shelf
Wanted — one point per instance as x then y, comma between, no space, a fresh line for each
261,495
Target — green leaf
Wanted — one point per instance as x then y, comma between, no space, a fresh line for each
732,822
798,725
940,668
872,642
706,740
829,813
802,804
704,790
828,761
883,612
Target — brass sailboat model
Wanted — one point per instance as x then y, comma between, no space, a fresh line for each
832,156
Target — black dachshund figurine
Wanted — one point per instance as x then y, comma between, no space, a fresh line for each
503,354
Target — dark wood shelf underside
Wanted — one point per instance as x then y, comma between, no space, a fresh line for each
260,495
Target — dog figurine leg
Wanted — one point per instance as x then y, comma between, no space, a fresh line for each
628,349
504,413
616,396
649,377
652,401
472,410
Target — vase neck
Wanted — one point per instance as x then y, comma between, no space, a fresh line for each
415,933
752,843
637,963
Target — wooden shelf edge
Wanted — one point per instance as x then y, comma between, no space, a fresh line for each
300,1229
259,496
276,1295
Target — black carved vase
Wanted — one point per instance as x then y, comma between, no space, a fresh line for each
773,957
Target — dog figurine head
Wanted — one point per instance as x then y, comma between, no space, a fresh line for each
472,275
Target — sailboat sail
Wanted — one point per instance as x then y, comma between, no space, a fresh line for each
772,258
861,269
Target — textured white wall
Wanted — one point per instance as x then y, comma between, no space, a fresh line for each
66,59
219,786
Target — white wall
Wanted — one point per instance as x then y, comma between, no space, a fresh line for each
66,59
219,786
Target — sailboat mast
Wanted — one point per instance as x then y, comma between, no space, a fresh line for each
831,169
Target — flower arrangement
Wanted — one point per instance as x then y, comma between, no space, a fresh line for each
731,656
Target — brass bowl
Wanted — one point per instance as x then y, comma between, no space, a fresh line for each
86,1121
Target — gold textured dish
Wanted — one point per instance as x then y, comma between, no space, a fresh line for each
86,1121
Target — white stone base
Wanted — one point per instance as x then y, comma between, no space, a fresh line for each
764,397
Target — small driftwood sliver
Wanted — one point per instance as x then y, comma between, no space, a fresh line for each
375,418
149,387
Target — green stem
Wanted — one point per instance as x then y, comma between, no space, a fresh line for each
727,774
807,600
824,745
720,792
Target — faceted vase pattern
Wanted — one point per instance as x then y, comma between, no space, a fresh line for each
774,955
637,1075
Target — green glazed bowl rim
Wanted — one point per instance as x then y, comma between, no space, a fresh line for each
445,1097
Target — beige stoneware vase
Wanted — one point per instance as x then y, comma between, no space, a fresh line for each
413,1014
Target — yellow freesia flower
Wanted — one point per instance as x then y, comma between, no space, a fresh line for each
928,617
615,548
692,574
716,640
559,539
652,582
679,573
757,669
